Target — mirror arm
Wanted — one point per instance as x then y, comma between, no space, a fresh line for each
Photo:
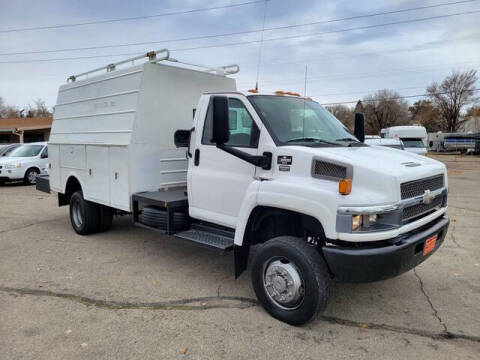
189,141
264,161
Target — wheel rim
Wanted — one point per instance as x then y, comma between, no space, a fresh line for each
77,214
32,177
283,283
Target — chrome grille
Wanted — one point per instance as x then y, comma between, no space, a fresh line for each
415,188
323,168
416,210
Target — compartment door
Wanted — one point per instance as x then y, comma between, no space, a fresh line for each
97,180
119,190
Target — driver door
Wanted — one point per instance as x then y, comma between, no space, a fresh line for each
219,181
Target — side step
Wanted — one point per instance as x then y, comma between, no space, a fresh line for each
208,236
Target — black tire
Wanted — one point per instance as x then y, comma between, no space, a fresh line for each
84,215
30,177
313,272
106,218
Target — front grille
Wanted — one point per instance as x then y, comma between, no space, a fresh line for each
323,168
415,188
417,210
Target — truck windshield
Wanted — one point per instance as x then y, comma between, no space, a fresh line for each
299,121
413,143
25,151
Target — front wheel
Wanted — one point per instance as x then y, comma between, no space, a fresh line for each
291,279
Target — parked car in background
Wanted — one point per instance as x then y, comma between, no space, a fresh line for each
414,137
6,148
25,162
391,143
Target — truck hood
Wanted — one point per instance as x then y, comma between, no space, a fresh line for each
378,171
399,163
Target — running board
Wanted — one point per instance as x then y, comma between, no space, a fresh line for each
208,237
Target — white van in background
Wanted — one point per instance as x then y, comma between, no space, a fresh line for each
413,137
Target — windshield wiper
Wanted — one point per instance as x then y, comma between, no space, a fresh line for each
312,139
347,139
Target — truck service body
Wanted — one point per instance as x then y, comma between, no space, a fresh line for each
318,206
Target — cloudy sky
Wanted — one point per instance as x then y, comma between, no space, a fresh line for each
346,59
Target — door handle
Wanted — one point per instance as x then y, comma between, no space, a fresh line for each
196,159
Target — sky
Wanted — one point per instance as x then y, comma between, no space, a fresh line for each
343,60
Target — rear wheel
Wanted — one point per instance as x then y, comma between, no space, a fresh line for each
291,279
84,215
30,177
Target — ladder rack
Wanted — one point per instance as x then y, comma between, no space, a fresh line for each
153,58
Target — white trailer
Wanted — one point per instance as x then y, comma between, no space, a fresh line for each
273,170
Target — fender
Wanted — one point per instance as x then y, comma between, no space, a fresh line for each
62,199
289,196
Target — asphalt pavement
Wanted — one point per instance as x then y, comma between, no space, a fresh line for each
133,294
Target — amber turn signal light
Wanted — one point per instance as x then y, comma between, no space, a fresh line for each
345,186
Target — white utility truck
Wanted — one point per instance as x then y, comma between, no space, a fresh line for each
413,137
274,171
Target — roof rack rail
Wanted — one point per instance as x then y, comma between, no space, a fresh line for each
152,58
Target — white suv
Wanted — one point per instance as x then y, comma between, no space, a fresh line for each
25,162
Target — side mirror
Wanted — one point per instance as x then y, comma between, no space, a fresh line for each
359,130
220,130
181,138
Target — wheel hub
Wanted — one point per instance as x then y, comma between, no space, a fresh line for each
77,214
32,177
283,283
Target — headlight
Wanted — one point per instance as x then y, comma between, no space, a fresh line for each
369,218
13,166
363,222
356,222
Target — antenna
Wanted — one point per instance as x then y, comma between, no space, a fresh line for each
305,85
304,100
261,43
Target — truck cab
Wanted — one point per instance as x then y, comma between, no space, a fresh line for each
296,172
273,177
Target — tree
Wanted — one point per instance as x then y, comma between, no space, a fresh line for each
38,109
383,109
424,113
451,96
8,111
343,113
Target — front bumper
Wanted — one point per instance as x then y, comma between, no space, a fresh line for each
366,264
11,174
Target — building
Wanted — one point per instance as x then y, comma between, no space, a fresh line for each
24,130
471,125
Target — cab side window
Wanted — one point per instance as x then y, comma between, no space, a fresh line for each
243,130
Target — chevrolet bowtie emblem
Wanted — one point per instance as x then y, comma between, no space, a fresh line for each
427,197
